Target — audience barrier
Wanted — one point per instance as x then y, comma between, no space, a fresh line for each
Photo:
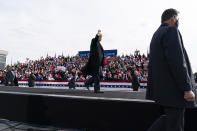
55,83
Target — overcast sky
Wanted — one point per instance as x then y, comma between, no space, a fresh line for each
33,28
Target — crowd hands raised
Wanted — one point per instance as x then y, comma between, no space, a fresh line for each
117,68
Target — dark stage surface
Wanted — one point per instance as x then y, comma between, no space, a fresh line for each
78,109
75,93
82,109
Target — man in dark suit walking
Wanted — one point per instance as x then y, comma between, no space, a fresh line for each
95,63
170,78
9,78
31,79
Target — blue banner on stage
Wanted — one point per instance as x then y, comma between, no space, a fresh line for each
106,53
83,53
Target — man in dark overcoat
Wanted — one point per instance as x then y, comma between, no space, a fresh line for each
170,78
31,80
9,78
95,63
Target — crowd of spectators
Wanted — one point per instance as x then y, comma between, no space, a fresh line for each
116,68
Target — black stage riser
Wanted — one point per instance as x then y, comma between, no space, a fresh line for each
81,113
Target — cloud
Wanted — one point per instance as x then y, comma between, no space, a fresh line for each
34,28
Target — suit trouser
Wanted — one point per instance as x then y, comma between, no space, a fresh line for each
171,120
96,80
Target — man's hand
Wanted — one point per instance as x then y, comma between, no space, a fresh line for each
99,31
189,96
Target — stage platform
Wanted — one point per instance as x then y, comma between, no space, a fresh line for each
112,110
84,93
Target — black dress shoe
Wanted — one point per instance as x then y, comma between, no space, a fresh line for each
86,85
98,92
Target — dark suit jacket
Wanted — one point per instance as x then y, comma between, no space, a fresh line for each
71,83
96,58
10,78
135,81
31,80
170,72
